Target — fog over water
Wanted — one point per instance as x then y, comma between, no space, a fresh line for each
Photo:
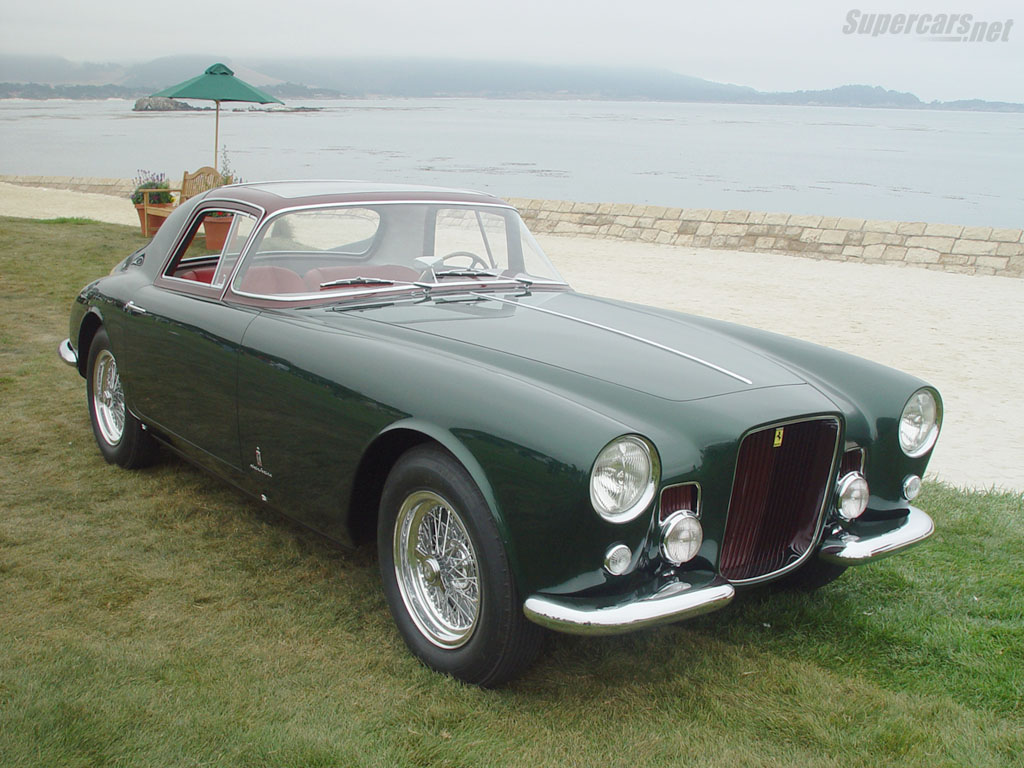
909,165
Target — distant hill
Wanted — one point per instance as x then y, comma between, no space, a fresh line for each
846,96
432,77
54,77
53,70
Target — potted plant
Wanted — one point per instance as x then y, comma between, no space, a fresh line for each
160,196
216,225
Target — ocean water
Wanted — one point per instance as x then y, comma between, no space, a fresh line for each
953,167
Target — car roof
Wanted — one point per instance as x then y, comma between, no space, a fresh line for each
275,195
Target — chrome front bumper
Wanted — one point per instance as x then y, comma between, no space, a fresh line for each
67,353
678,600
847,548
675,601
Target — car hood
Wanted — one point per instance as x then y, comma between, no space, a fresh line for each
671,357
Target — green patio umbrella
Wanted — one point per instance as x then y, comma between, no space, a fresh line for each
217,84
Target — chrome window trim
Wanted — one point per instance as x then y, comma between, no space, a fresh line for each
267,220
827,497
364,292
201,208
367,203
214,200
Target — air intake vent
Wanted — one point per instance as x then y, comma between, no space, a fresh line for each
783,475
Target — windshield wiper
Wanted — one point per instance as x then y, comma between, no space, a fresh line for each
357,281
470,272
466,272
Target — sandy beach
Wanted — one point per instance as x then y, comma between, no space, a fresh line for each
961,333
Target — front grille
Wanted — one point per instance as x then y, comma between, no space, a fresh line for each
782,476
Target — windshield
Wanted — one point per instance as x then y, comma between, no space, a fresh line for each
353,249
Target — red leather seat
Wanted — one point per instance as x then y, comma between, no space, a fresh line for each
272,281
200,275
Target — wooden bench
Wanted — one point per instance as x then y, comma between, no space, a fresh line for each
192,184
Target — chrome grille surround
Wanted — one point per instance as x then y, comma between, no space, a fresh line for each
764,537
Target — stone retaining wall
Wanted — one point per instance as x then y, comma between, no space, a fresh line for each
102,186
947,247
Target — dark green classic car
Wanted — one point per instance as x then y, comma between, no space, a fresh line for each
404,362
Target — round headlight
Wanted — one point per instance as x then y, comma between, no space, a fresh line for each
617,559
623,480
911,487
853,496
919,424
681,537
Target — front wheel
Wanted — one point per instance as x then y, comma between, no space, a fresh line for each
119,435
446,574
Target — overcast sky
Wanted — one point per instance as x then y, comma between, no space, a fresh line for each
770,46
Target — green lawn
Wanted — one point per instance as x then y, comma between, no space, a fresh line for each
158,618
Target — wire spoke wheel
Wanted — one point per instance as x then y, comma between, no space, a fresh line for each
446,573
437,569
120,436
108,398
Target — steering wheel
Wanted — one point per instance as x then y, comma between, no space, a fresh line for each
474,260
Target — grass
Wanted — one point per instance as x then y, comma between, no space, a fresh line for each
159,618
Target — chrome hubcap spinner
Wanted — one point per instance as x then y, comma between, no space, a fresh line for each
108,398
437,569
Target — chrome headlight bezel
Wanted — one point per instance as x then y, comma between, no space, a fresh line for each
852,488
921,416
635,503
676,523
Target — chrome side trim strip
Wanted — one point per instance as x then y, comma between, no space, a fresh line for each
846,548
641,339
67,353
673,602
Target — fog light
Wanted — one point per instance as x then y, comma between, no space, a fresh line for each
681,537
853,496
616,559
911,487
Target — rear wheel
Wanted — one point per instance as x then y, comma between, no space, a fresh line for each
446,573
119,435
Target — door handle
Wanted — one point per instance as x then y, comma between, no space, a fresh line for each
134,309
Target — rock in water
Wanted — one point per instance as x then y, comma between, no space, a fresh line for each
160,104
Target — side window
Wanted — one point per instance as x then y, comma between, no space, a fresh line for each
308,251
466,237
241,228
211,247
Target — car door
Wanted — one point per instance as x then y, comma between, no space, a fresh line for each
184,343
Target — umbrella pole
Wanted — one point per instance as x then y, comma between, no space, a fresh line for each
216,135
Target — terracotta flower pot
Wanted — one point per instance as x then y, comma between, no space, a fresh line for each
216,229
154,221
